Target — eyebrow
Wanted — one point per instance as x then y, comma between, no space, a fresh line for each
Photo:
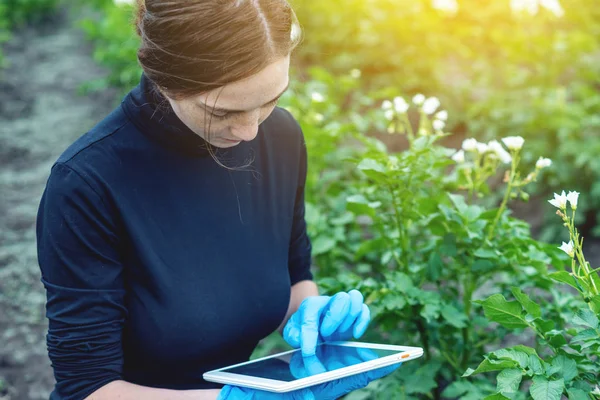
227,110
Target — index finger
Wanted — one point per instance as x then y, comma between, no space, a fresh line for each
309,329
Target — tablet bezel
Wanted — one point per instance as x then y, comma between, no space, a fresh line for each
404,353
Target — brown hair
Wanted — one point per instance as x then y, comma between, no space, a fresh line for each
190,47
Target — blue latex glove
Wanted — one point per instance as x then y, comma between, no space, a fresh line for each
302,367
324,318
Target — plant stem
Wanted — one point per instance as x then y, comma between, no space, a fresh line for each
422,331
466,331
401,233
506,196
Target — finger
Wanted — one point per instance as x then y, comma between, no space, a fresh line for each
356,302
313,365
297,366
291,331
337,310
362,322
310,315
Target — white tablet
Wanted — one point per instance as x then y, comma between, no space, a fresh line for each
289,371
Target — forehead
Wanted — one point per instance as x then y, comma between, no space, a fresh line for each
252,92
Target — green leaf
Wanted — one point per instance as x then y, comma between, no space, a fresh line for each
448,247
586,317
577,394
509,381
543,389
372,169
485,253
595,303
544,325
585,335
434,266
496,396
459,202
488,365
529,306
521,357
394,301
482,266
454,316
323,244
368,164
358,204
566,367
565,277
507,314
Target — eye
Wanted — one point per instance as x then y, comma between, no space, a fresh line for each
227,115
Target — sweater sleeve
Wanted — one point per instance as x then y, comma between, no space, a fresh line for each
300,246
83,276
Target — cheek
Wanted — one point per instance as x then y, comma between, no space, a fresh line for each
265,113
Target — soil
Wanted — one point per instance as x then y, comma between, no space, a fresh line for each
41,113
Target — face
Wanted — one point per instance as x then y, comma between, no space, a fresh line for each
235,111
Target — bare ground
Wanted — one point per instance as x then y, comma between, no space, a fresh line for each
41,113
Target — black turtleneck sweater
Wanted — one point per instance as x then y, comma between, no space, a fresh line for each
159,264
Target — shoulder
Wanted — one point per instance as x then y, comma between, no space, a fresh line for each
101,132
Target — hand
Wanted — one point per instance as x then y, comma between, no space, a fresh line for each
302,367
327,319
331,358
239,393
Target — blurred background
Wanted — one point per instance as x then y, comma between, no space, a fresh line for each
500,68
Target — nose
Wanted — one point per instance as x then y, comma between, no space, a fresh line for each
246,128
245,132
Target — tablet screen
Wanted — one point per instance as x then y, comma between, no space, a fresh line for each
293,366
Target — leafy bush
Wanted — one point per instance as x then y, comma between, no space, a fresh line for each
4,35
499,71
20,12
558,366
115,46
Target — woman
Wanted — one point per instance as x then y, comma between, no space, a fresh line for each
171,237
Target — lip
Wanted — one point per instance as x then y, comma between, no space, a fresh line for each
231,141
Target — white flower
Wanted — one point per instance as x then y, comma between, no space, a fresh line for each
514,142
387,105
559,202
499,151
469,144
445,5
531,6
400,105
482,148
430,105
459,156
438,125
442,115
355,73
572,197
568,248
124,2
389,114
554,6
543,163
418,99
317,97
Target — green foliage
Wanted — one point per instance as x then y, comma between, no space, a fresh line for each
20,12
4,35
570,342
499,72
115,46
